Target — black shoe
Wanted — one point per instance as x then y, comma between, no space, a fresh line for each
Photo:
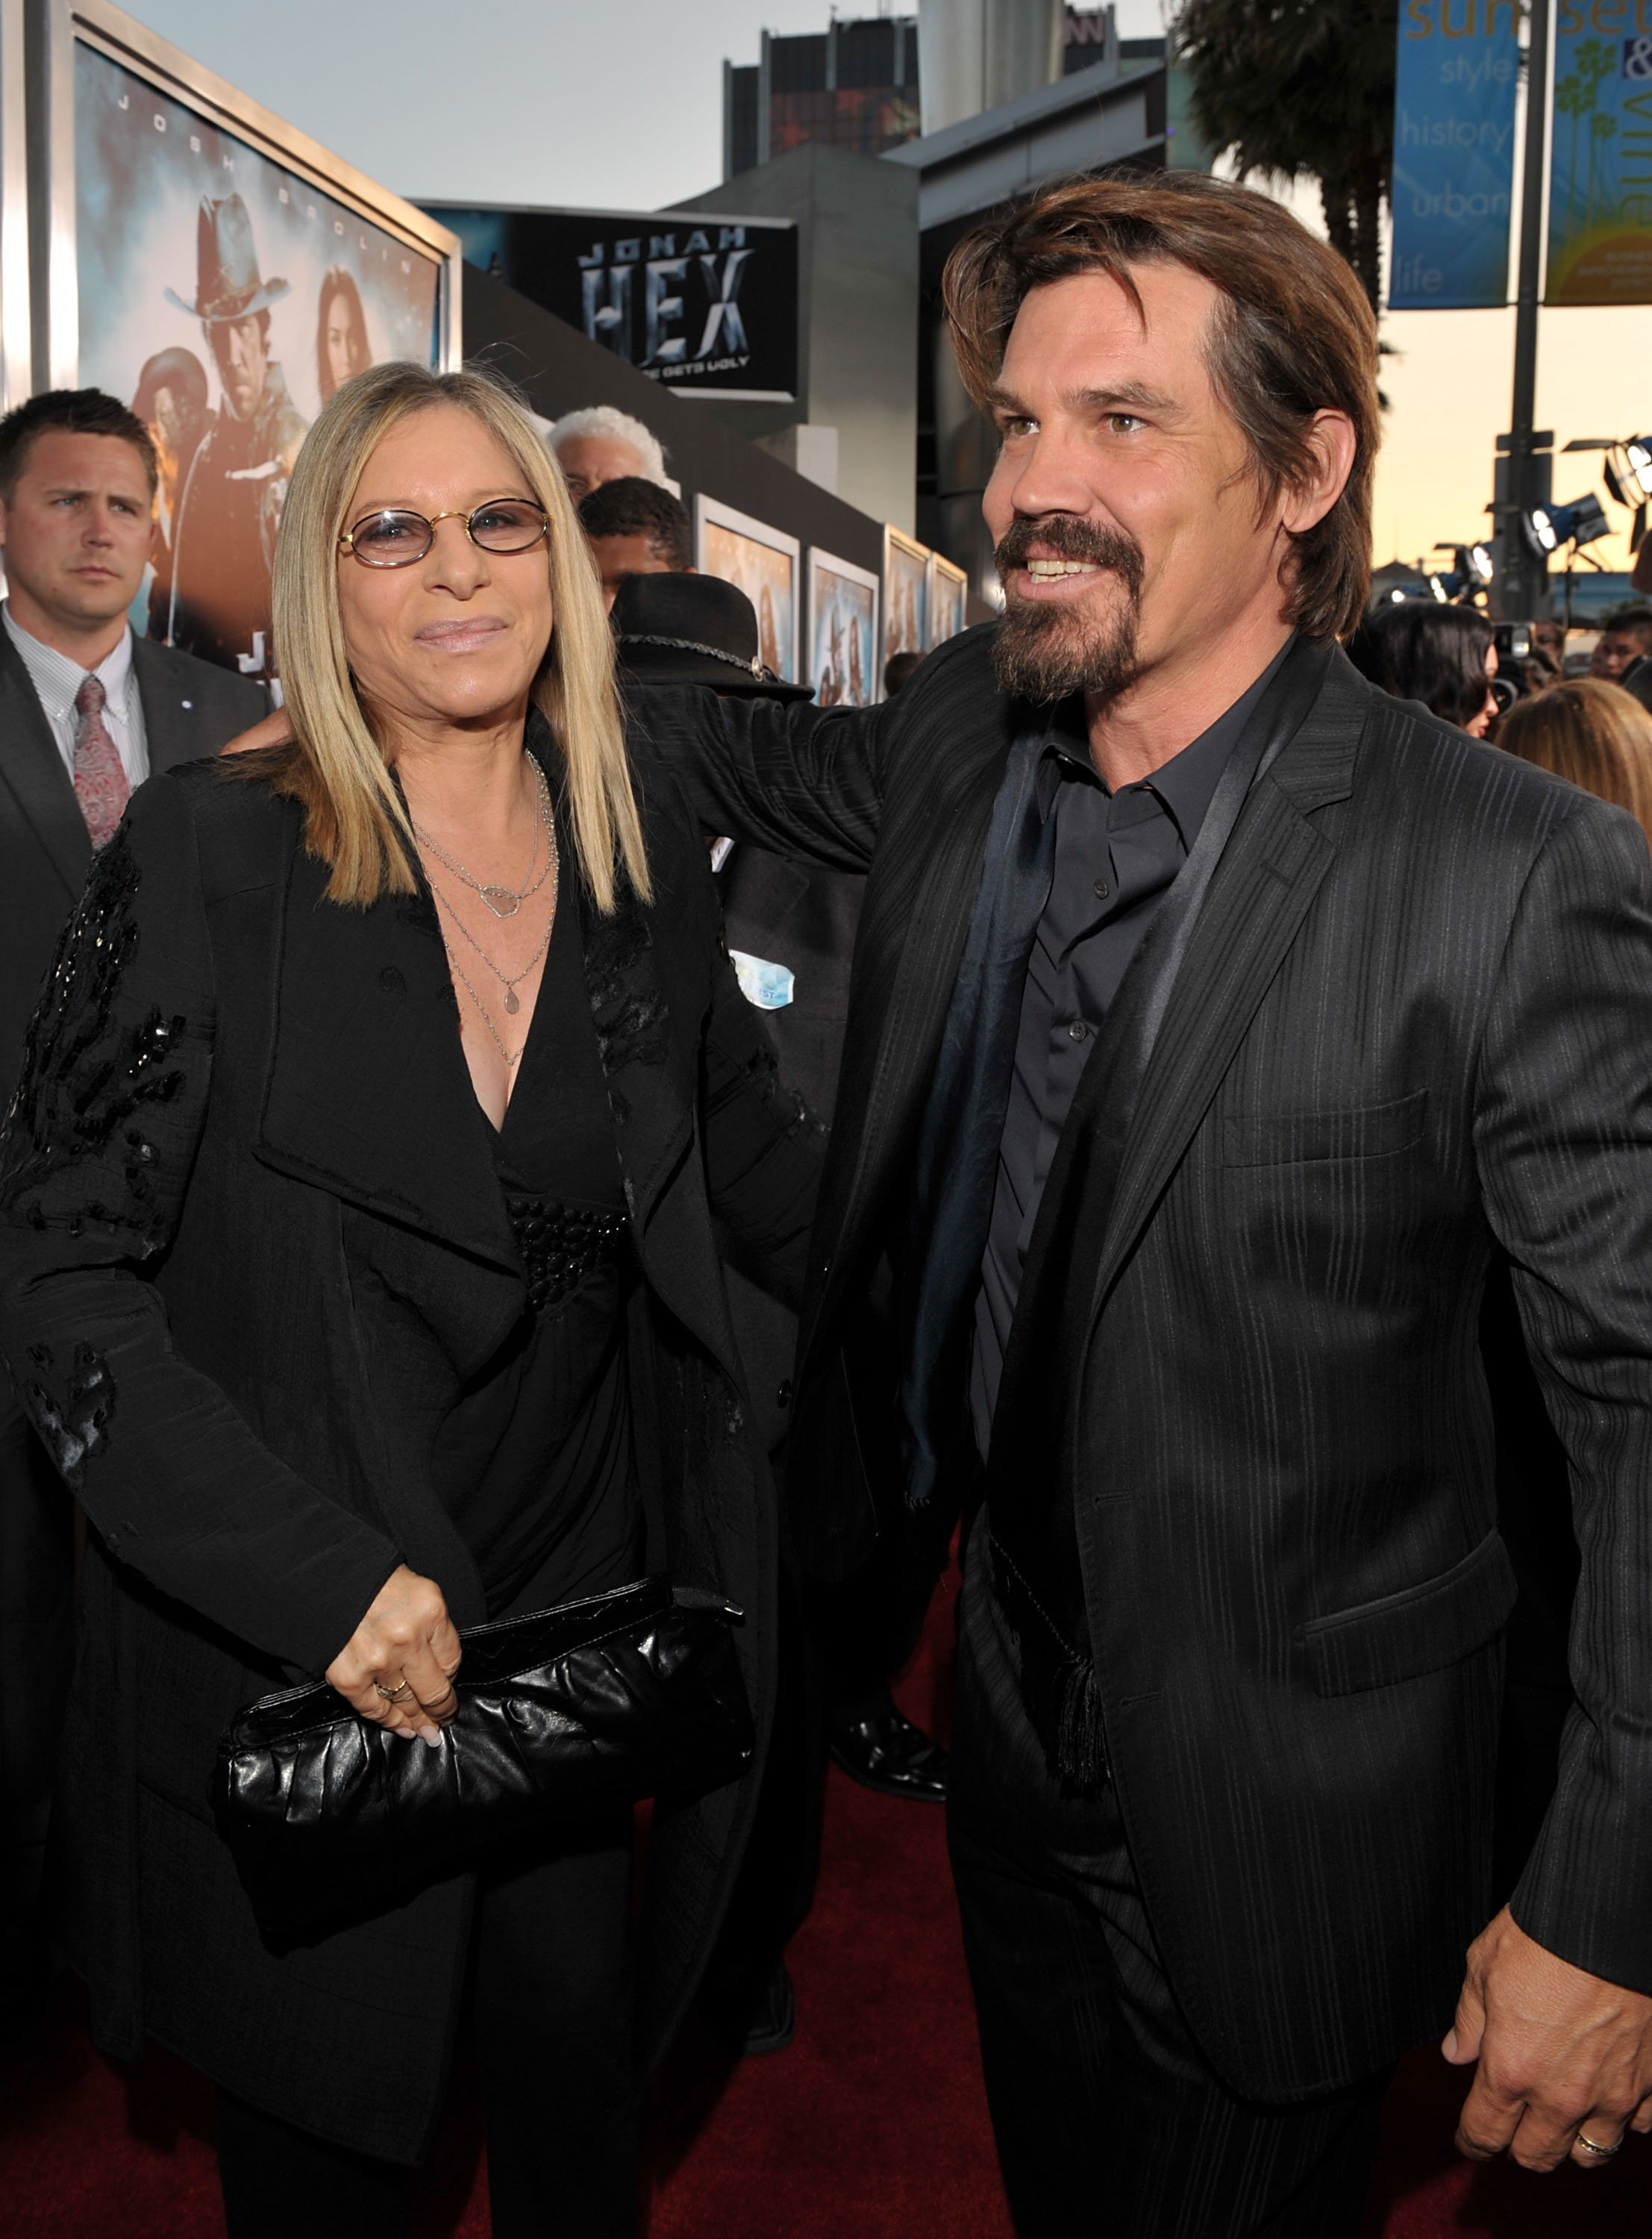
747,2015
882,1750
770,2026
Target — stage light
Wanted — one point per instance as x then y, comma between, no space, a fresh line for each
1476,561
1638,452
1583,521
1439,590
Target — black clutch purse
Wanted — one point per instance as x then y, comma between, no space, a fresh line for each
634,1693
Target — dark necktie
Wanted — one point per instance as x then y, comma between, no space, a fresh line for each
100,780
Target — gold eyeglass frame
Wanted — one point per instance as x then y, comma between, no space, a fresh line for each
347,537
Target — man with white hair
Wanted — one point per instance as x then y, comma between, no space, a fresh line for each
599,443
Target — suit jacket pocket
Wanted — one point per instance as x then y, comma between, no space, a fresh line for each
1370,1131
1421,1628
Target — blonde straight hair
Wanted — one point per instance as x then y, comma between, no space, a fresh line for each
353,817
1596,735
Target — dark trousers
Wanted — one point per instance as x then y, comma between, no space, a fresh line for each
1109,2123
552,2009
37,1654
838,1647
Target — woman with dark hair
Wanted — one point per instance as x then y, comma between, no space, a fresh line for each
341,346
1444,656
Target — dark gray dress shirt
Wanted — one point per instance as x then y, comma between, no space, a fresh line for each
1116,856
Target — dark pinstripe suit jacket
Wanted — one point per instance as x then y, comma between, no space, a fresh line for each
1415,1023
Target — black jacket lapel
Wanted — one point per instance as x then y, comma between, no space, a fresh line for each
1259,898
368,1094
32,768
652,1084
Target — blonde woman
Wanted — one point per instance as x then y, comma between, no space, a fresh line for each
1595,734
357,1266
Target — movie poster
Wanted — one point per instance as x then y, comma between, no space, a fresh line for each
906,595
843,632
224,298
762,562
945,590
706,304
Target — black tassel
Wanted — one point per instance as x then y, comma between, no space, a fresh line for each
1081,1759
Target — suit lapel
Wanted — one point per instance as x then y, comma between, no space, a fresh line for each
32,769
1258,897
368,1094
650,1083
171,722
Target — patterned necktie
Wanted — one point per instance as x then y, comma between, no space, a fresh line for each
100,781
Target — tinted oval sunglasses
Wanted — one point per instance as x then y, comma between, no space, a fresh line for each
397,537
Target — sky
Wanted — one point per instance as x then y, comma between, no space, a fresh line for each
618,105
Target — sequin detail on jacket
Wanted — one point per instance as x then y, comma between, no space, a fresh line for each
73,1426
80,1146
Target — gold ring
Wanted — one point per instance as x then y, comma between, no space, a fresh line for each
394,1694
1600,2153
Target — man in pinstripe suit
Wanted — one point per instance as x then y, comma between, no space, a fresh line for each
1215,1024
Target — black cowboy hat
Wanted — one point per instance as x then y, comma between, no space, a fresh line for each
692,629
228,281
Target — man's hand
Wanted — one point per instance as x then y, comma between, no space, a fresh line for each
275,731
1565,2060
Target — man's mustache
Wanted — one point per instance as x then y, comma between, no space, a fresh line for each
1063,536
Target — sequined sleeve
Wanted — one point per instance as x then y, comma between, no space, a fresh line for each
96,1162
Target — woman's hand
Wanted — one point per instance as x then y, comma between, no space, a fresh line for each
397,1667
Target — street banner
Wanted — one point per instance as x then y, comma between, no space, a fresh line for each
1600,191
1459,64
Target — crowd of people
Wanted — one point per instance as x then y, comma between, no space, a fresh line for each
550,1107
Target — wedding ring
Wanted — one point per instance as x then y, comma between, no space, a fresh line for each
394,1694
1600,2153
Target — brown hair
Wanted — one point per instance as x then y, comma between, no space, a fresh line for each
1294,335
72,412
1595,734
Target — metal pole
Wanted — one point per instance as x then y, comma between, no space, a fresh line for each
1525,575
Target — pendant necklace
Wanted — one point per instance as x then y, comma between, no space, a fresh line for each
507,980
504,902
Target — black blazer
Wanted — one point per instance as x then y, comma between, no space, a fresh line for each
190,709
251,1245
1415,1019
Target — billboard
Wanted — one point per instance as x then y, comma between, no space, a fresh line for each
705,304
1458,67
1600,180
221,277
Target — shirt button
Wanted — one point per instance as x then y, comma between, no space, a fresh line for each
1078,1030
1101,890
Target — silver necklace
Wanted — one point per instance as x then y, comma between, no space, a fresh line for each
504,902
510,1058
508,979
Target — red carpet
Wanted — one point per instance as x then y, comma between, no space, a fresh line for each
873,2125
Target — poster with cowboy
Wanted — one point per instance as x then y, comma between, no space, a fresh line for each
225,296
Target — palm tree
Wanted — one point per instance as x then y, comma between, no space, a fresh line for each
1601,126
1571,101
1301,89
